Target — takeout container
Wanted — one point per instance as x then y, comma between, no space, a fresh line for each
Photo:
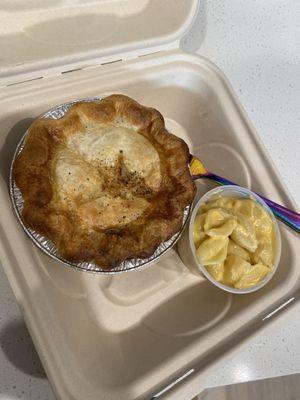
187,250
157,332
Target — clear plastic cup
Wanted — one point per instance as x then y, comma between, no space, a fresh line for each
187,250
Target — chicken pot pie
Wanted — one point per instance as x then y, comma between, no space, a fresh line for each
106,182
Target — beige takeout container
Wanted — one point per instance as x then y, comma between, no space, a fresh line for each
149,333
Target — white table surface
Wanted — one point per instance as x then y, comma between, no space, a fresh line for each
256,44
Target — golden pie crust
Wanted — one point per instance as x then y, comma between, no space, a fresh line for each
106,182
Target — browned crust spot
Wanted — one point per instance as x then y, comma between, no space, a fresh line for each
33,172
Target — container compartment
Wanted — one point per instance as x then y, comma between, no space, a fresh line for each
122,336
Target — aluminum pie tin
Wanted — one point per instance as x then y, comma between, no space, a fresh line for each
48,247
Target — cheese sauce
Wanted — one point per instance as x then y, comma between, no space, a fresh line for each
235,240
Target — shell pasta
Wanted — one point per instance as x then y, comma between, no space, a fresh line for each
234,239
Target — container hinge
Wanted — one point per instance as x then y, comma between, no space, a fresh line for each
23,81
71,68
24,78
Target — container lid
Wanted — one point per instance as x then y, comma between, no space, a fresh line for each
42,37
